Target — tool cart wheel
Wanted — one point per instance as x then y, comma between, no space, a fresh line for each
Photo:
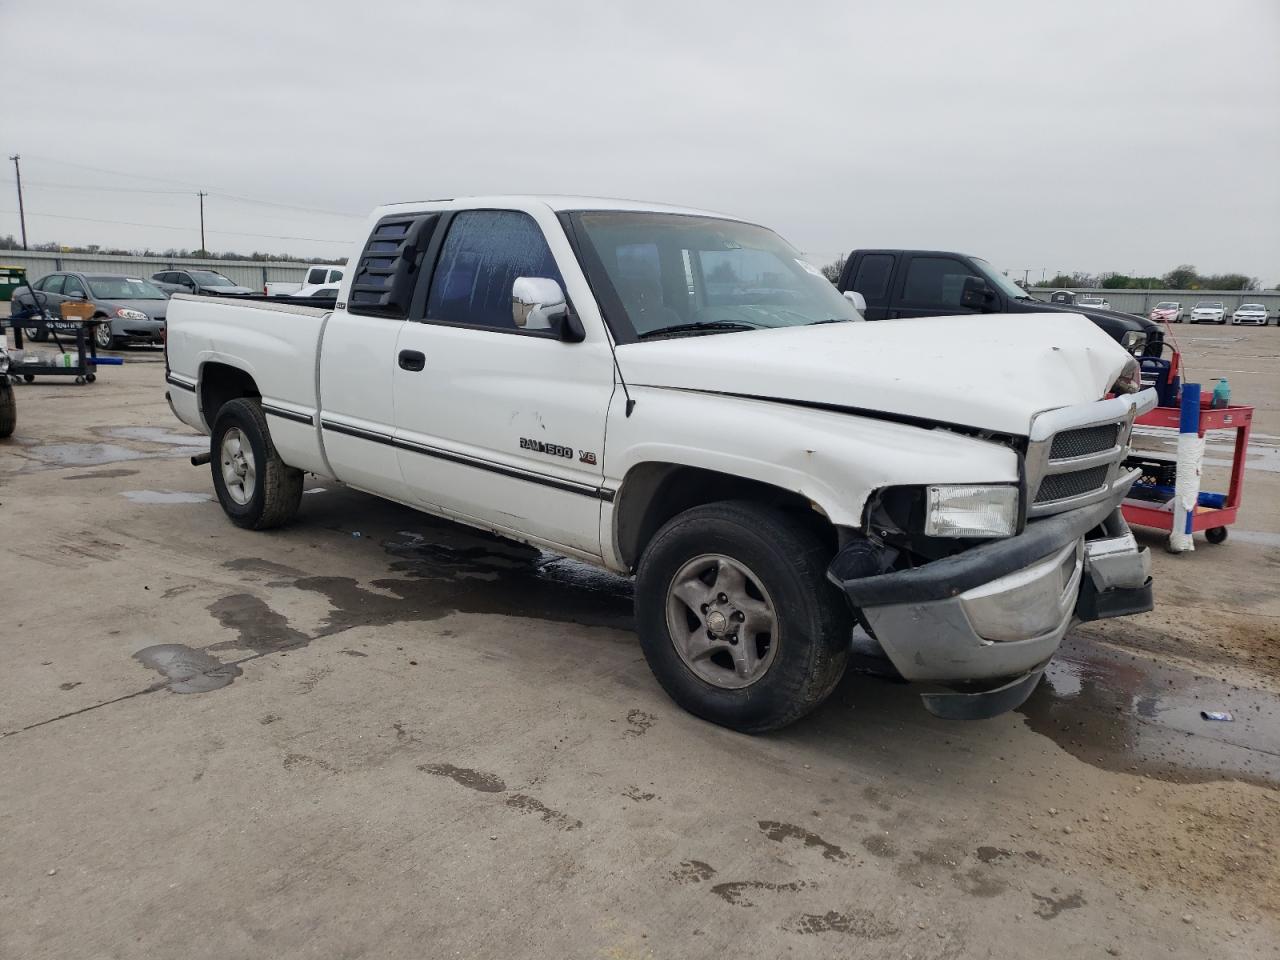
8,408
256,488
1216,534
29,377
91,377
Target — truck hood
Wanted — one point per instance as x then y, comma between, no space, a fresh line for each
992,372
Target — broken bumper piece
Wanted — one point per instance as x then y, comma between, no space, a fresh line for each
985,622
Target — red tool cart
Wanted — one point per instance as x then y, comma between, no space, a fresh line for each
1214,511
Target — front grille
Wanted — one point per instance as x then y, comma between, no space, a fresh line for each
1084,441
1060,486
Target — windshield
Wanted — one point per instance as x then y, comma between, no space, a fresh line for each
1204,305
1254,307
657,271
123,288
1166,305
207,278
1000,281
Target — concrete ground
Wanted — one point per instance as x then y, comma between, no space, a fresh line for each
423,742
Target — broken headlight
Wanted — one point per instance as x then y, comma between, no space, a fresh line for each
963,510
1130,379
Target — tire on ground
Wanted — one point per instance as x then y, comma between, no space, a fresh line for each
8,407
814,622
277,488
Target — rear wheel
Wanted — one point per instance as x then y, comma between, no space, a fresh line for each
36,334
736,617
256,488
8,408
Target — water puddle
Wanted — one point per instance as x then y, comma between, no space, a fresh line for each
81,454
186,669
1124,712
189,442
165,496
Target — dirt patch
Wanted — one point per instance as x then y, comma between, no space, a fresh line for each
780,832
856,923
471,779
738,892
692,871
526,804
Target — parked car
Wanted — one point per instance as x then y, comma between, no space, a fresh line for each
1209,311
8,404
774,467
132,309
1167,311
1093,303
317,275
1250,314
929,283
189,280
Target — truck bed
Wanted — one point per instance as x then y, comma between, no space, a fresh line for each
276,343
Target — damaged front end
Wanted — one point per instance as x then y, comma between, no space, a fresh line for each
982,617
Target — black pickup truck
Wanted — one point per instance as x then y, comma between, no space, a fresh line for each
932,283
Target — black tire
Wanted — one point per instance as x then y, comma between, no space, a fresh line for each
8,408
1216,534
104,341
814,621
277,488
36,334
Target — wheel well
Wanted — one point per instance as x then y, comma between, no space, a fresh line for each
220,384
653,493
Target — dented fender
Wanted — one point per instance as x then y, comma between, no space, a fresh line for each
834,459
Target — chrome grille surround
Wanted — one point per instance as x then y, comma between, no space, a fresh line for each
1067,464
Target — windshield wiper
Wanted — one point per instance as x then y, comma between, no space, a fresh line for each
721,325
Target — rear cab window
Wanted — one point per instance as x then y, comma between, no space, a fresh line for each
316,276
872,276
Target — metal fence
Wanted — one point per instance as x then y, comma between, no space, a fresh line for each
1141,301
247,273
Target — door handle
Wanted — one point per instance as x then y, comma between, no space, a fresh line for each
412,360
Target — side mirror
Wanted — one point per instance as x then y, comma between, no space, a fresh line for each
858,300
538,303
974,294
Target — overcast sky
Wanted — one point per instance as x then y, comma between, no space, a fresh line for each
1080,135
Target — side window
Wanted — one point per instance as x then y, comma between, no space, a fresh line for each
935,281
185,280
160,278
52,284
316,275
872,278
72,287
335,276
483,254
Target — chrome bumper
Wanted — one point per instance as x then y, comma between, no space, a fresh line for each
1007,627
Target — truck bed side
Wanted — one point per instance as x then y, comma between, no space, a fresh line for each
219,348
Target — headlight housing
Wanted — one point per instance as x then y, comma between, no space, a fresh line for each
126,314
964,510
1134,341
1130,379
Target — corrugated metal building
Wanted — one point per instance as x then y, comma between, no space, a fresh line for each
1141,301
248,273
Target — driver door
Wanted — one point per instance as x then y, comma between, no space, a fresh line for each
498,425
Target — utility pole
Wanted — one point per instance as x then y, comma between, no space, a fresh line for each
203,248
22,215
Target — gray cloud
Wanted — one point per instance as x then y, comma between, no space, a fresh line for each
1086,135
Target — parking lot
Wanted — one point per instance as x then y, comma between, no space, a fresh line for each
427,742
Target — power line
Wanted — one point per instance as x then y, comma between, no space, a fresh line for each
194,188
165,226
75,186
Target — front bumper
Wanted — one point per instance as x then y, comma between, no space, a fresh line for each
988,619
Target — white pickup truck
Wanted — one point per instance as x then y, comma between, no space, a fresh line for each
677,395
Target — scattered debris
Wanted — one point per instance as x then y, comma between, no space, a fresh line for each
1216,715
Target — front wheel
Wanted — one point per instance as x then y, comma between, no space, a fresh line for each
736,618
103,338
35,334
256,488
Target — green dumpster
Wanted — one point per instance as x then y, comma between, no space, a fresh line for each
11,278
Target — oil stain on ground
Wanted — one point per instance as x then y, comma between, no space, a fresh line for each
473,779
259,628
186,669
738,892
1125,712
858,923
778,832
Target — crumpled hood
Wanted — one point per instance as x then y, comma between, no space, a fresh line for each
992,372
